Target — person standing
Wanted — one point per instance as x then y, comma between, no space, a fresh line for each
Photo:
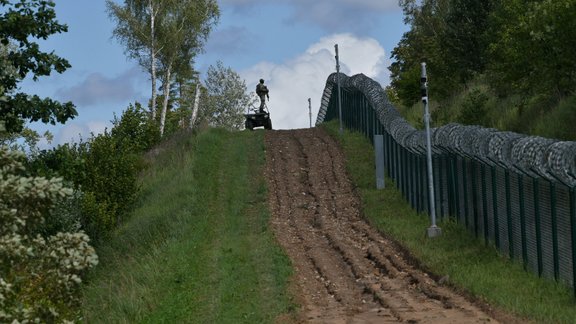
262,92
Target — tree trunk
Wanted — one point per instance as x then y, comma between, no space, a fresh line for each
166,97
153,60
195,109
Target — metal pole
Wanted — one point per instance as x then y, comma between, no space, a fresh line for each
339,93
433,230
379,157
310,111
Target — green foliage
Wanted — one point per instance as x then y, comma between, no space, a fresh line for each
457,254
473,110
532,49
228,98
111,171
34,19
198,248
559,123
134,130
501,64
165,37
40,275
103,171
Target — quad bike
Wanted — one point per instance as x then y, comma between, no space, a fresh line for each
257,119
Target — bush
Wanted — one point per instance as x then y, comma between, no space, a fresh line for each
559,122
40,275
473,108
110,182
135,131
103,172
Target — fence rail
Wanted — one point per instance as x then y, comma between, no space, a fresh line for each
515,191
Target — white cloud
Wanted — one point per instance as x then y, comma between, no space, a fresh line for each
330,15
230,40
291,83
74,132
98,88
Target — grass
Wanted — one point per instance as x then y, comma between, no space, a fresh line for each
198,248
467,261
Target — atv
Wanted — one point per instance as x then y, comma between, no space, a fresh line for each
257,119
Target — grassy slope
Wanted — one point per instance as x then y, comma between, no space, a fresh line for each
197,249
468,263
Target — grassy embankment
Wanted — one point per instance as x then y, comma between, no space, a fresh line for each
467,262
197,248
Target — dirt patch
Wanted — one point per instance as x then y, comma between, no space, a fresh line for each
346,271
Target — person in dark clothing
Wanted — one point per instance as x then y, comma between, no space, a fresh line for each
262,92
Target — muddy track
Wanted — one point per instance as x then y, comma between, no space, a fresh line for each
345,271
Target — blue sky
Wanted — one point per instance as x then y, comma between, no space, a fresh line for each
289,43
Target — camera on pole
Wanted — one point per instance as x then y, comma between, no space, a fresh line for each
424,84
433,230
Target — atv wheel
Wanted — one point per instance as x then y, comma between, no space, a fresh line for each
268,124
248,124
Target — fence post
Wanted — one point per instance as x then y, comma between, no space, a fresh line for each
484,202
310,111
495,209
441,164
433,230
554,230
338,80
536,185
379,150
465,191
509,214
474,199
573,230
522,221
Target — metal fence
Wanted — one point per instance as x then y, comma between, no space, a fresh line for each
514,191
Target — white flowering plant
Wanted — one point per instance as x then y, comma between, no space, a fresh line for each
40,275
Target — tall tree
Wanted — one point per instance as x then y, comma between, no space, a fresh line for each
465,39
20,24
185,29
174,33
533,49
227,98
136,30
421,44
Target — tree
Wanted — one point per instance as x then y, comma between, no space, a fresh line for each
532,49
136,30
40,275
20,56
174,33
421,44
227,97
465,38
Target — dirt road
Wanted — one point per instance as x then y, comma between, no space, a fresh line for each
345,271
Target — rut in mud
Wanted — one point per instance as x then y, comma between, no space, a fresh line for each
345,271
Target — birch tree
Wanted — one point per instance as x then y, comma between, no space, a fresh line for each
164,36
136,30
185,29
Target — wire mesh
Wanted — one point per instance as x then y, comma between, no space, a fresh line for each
513,190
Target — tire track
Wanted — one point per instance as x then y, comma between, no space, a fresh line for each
345,271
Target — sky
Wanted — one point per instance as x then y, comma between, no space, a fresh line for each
288,43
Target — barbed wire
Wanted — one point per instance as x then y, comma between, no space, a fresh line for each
535,156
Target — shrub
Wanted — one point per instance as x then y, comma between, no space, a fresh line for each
135,131
559,122
103,172
473,109
40,276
